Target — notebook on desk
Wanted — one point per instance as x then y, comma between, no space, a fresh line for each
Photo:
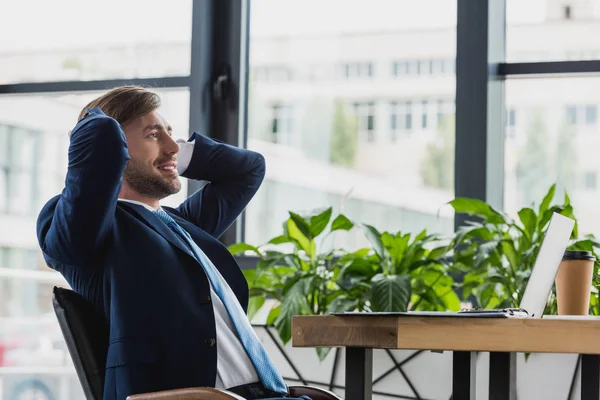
538,288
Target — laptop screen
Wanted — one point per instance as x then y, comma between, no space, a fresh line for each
546,265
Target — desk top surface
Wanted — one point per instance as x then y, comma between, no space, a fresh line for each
550,335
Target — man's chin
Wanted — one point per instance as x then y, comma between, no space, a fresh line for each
174,186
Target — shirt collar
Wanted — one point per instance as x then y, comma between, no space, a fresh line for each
139,203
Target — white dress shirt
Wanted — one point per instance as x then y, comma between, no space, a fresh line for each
234,367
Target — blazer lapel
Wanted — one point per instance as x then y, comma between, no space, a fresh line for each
155,223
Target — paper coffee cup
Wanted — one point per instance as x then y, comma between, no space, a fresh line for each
574,283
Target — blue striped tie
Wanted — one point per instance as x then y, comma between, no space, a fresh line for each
265,369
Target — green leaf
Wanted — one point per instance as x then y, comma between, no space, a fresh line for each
421,236
319,222
306,243
301,224
374,238
341,223
529,220
547,199
478,208
294,303
342,304
273,315
395,245
281,239
466,233
361,253
322,352
438,252
511,254
358,268
254,304
484,251
249,274
241,248
390,292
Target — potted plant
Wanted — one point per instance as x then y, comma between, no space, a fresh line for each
306,276
497,253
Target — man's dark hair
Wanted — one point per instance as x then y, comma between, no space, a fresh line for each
125,103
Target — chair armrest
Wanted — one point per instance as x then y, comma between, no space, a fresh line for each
188,394
314,393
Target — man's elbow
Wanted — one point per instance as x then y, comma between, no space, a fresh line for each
260,168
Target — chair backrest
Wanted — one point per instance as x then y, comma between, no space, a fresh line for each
86,334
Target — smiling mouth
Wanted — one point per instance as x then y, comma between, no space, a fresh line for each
168,168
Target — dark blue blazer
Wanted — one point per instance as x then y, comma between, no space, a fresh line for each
134,269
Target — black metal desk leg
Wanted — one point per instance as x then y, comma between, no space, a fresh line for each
359,373
464,365
590,376
503,376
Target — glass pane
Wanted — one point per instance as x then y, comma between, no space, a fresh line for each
31,342
354,141
552,30
553,141
120,39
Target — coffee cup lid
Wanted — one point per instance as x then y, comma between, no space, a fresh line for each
579,255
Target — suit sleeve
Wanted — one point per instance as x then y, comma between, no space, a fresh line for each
234,176
71,227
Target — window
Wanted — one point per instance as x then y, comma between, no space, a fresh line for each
343,131
582,114
400,68
590,180
401,118
449,67
445,109
511,122
437,67
422,67
19,166
34,47
281,123
590,115
424,112
272,74
572,115
549,148
358,70
366,120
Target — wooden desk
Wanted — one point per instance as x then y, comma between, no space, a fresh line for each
501,337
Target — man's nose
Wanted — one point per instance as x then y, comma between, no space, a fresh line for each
171,146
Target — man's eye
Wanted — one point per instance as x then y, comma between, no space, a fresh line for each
153,135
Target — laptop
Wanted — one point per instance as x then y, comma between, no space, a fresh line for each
538,287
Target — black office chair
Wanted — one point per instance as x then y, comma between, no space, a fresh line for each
86,335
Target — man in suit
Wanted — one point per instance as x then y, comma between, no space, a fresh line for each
173,296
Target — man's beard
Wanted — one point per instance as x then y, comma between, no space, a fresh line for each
143,181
